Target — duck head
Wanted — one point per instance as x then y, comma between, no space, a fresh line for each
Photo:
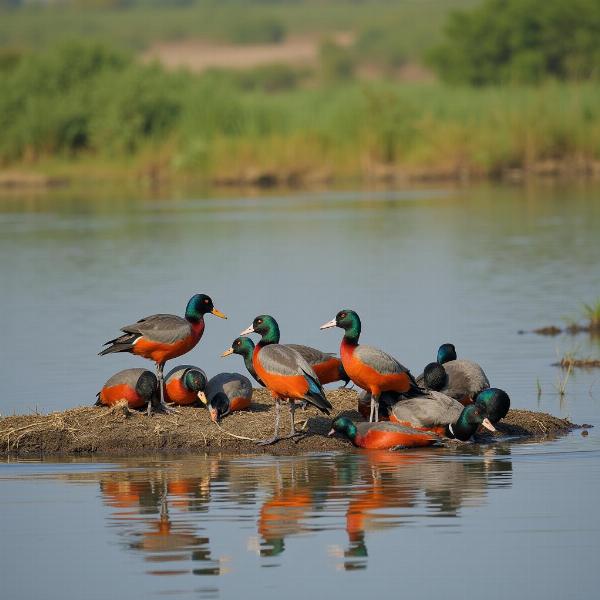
243,346
435,376
446,353
198,306
218,407
267,327
344,426
147,387
194,380
468,423
349,321
495,402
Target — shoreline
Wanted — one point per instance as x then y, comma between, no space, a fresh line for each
45,177
118,431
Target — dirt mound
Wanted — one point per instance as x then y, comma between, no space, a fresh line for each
118,430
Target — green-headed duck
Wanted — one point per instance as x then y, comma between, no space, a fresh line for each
370,368
225,393
184,384
284,372
163,337
382,436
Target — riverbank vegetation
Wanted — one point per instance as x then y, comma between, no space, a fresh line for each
94,109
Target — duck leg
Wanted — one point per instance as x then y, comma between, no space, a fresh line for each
275,437
162,407
374,408
293,433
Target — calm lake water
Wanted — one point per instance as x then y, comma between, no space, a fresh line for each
472,266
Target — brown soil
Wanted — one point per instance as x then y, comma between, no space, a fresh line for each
583,363
199,55
118,430
574,329
20,179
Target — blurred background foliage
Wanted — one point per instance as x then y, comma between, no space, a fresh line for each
219,86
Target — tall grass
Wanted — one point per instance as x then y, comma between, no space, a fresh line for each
86,102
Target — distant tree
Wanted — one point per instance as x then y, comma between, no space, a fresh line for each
520,40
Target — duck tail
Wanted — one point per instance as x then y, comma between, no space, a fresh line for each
316,395
98,402
123,343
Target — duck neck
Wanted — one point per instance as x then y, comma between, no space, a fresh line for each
461,430
352,332
350,431
271,336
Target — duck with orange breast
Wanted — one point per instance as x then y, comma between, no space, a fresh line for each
225,393
162,337
138,387
285,373
185,384
382,436
326,365
371,369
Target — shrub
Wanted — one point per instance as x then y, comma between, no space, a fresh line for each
520,40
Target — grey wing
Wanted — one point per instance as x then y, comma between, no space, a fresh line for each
166,329
379,360
420,379
311,355
465,378
429,410
233,385
178,371
127,377
283,360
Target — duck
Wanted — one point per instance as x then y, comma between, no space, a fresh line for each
139,387
445,416
326,365
162,337
463,380
225,393
382,436
496,403
368,367
184,384
285,373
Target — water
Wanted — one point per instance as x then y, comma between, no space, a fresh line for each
421,267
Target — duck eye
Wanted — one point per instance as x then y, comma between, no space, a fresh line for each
205,301
343,316
259,321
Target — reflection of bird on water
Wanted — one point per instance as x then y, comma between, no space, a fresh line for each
164,539
282,514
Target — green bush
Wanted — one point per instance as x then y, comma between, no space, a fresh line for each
522,41
258,31
337,63
382,46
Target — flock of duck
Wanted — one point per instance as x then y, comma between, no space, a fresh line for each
452,398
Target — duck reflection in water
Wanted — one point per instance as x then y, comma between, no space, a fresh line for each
166,539
160,509
396,482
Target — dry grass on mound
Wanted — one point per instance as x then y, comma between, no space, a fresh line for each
118,430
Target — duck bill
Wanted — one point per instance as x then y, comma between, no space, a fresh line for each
488,425
202,397
218,313
329,324
332,432
227,352
214,415
248,330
